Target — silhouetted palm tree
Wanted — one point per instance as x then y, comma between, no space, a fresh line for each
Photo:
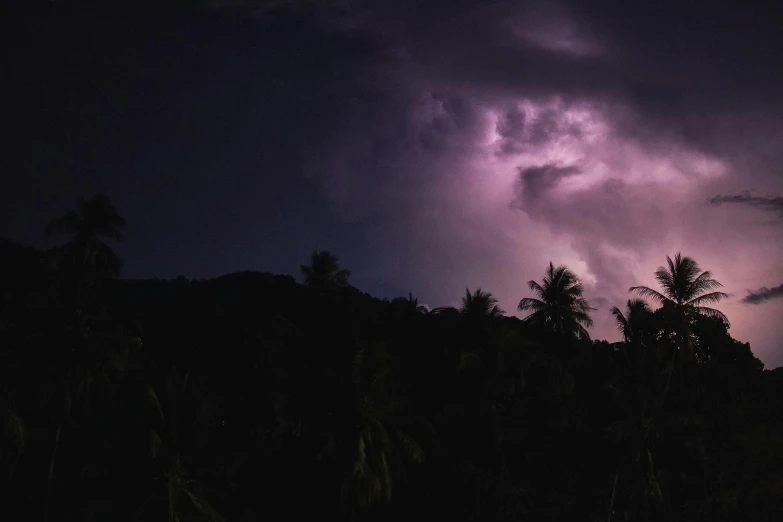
480,304
381,449
684,287
324,271
85,259
94,218
559,305
631,324
686,291
164,445
478,313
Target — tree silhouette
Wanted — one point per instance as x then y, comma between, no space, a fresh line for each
86,259
559,305
686,291
480,304
165,449
381,449
324,271
93,218
512,425
413,304
684,286
631,325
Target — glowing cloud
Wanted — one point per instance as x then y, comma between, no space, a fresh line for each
505,137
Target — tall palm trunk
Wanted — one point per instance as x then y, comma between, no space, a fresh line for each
51,473
614,489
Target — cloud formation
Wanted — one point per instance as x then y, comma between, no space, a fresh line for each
492,138
763,294
769,203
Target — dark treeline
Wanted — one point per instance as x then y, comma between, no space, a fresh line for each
253,397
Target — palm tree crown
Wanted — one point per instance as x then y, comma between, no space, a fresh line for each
480,304
93,218
683,285
630,324
559,305
324,271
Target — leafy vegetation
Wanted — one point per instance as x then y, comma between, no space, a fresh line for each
253,397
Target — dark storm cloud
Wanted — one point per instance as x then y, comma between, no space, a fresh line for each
454,116
603,123
511,130
536,182
426,128
518,133
763,295
676,70
769,203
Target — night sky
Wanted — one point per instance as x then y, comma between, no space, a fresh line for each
432,146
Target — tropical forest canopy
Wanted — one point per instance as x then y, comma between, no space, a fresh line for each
252,396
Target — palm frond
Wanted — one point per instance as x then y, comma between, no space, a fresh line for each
648,292
69,223
529,303
536,288
582,317
583,305
621,321
712,297
538,318
156,444
324,271
703,283
712,312
572,287
687,267
637,306
581,332
202,505
480,304
666,281
410,447
443,310
559,304
94,217
152,398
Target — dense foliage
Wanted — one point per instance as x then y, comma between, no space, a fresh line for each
252,397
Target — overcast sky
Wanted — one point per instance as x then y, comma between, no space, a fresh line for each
432,146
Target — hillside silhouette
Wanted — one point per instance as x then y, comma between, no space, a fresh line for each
252,396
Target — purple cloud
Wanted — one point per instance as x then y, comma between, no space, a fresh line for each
772,204
763,294
496,137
